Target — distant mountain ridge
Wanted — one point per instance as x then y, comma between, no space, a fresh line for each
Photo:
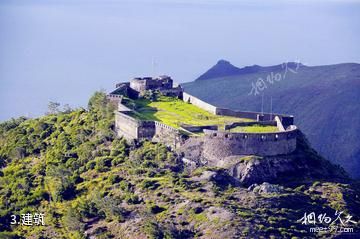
323,99
224,68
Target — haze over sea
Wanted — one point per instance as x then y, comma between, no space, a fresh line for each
64,50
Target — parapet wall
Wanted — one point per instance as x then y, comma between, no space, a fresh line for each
133,129
218,145
244,124
126,126
114,98
199,103
146,129
166,134
196,129
286,120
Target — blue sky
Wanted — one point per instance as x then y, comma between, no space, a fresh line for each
65,50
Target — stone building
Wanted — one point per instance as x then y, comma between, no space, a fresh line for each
139,85
150,83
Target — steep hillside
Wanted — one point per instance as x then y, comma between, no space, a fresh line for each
323,99
89,184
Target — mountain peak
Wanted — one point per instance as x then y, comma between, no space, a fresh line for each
223,62
220,69
224,68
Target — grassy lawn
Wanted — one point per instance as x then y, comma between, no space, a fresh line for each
255,129
175,112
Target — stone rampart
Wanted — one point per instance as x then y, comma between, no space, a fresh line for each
254,115
218,145
279,124
286,120
167,135
199,103
126,126
244,124
195,129
146,129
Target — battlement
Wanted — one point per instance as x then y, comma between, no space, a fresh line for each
223,144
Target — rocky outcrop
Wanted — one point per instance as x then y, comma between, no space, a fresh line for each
266,188
304,163
257,170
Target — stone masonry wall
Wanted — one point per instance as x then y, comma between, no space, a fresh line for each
287,120
126,126
218,145
196,129
244,124
253,115
146,129
167,135
132,129
199,103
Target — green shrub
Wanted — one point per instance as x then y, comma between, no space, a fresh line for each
150,184
152,230
103,163
114,178
155,209
90,165
132,198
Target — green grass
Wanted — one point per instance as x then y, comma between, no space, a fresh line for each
255,129
175,112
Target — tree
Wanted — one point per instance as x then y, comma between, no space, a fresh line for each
59,183
67,108
98,101
72,220
53,107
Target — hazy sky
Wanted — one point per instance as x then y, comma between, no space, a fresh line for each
64,50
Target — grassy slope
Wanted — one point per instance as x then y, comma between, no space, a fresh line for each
255,129
323,99
175,112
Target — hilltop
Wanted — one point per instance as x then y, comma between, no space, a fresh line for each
91,184
323,99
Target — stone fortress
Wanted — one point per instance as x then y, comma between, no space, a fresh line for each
210,142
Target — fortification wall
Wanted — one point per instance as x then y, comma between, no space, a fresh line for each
199,103
254,115
240,114
244,124
218,145
174,92
286,120
126,126
193,128
138,84
279,124
167,135
115,99
146,129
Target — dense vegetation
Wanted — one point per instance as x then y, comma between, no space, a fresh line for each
88,183
43,159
